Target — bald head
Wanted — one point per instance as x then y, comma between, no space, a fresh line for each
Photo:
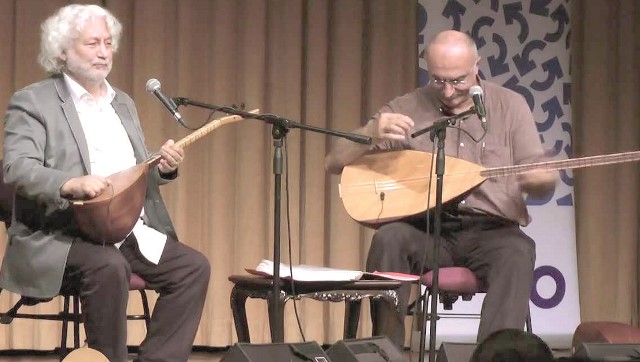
451,45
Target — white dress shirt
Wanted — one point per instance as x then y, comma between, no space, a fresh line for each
110,151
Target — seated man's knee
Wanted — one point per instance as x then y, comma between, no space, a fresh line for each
523,253
389,235
112,271
203,266
518,264
117,265
200,269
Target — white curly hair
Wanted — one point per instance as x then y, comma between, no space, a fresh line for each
63,27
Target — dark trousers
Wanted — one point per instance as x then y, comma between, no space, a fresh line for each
498,252
100,274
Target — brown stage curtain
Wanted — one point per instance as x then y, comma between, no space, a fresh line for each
328,64
605,53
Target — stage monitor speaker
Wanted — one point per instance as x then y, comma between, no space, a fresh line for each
455,352
276,352
375,349
608,352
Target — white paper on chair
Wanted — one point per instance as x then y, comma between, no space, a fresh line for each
306,273
310,273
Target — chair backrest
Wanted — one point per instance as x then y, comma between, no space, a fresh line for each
6,199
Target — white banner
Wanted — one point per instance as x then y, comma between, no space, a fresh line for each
525,47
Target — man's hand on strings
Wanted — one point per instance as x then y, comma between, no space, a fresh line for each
172,156
389,126
84,187
392,126
538,183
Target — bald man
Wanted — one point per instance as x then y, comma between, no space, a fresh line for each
482,230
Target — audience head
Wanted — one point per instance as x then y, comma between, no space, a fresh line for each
511,345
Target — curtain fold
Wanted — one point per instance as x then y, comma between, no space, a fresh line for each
606,88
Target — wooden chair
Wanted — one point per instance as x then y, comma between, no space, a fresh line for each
454,283
66,316
74,316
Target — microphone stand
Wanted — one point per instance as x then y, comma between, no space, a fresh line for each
280,128
438,133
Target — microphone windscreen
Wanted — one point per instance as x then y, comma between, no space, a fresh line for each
475,90
152,85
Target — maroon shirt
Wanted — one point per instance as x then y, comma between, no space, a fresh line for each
511,139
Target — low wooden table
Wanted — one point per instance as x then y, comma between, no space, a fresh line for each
350,292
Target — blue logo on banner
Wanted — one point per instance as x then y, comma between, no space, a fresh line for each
560,284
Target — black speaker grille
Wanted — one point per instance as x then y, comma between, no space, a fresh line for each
376,349
276,352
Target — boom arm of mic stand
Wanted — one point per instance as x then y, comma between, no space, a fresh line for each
444,122
275,120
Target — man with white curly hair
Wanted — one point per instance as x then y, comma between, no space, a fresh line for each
63,137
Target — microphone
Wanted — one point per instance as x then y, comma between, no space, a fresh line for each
476,94
153,86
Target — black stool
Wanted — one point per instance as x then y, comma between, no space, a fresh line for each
72,314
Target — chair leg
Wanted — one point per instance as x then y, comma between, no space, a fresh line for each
416,310
351,318
65,327
426,309
238,302
8,317
145,308
76,322
426,306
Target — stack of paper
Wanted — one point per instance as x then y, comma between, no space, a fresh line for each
308,273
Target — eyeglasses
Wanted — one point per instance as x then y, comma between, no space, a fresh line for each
454,82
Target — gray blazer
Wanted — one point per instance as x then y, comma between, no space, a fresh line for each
44,146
